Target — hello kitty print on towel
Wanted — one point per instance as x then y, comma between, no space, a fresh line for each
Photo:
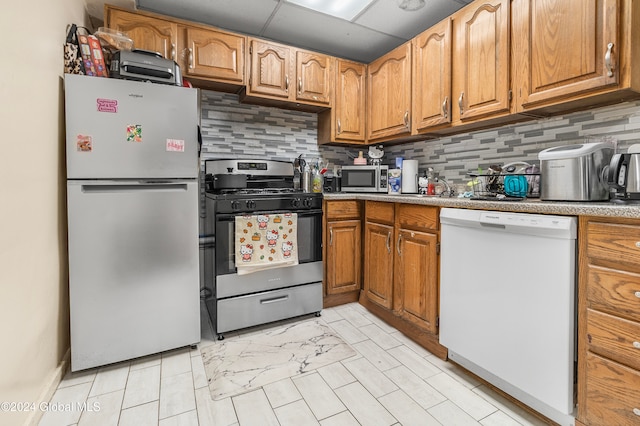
246,251
265,241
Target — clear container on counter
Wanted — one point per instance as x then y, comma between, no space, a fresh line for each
316,181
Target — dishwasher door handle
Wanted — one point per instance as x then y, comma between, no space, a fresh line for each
492,225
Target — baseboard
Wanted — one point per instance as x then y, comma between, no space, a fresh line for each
48,391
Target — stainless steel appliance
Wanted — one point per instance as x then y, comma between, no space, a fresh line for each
624,174
365,178
508,303
132,199
143,65
575,172
237,301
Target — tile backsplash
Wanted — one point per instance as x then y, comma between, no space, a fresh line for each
231,129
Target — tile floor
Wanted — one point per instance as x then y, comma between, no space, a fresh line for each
392,381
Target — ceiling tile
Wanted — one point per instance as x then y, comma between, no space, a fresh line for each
387,17
312,30
246,16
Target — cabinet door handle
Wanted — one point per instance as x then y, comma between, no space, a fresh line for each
406,118
445,109
398,245
286,83
299,84
460,99
607,60
339,126
389,242
636,411
173,51
636,345
190,58
331,236
637,293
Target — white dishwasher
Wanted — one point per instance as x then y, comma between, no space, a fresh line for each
508,303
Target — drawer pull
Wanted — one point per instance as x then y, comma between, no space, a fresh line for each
638,244
274,300
636,411
638,294
636,345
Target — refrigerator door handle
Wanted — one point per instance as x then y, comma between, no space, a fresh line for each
90,189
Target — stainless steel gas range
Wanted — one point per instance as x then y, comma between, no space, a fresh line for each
259,187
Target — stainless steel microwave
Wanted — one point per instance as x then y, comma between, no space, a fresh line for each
365,178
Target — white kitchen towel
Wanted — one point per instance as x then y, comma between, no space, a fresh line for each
266,242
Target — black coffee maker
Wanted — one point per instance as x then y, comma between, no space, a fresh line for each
332,183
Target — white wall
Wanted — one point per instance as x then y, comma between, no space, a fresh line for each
34,313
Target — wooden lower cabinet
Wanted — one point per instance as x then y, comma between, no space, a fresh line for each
609,322
342,252
401,269
379,263
343,256
416,278
378,253
612,393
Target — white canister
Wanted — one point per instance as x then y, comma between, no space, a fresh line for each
410,177
395,181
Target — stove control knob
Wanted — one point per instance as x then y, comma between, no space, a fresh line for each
235,205
307,202
295,202
251,204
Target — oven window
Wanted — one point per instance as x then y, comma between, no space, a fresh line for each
358,178
309,240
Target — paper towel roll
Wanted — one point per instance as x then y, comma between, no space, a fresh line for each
410,177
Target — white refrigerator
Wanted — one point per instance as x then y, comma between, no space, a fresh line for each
132,203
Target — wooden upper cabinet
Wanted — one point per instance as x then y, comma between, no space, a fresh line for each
565,48
431,106
314,77
350,101
146,32
213,59
272,69
345,122
481,61
389,95
215,54
295,78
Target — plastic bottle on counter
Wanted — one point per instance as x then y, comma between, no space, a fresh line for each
317,181
395,181
431,181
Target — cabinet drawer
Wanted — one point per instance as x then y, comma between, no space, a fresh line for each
379,212
614,291
613,393
614,242
343,209
615,338
417,217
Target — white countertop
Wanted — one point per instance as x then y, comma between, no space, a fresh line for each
529,205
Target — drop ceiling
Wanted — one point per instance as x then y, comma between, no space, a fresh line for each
375,30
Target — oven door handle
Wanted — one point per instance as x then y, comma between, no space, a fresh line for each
303,213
